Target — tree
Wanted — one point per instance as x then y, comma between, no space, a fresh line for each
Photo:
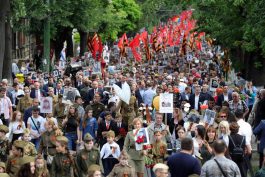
119,16
237,25
5,39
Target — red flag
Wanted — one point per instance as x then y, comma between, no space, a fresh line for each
95,45
136,55
123,42
133,44
144,38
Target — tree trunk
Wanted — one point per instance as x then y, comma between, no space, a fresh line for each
7,72
70,45
83,42
4,4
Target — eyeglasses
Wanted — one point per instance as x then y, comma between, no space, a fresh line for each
222,116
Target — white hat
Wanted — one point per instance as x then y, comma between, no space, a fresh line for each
181,80
160,166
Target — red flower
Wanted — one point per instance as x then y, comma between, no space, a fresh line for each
122,132
140,139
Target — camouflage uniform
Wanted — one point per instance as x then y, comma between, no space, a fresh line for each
14,163
159,152
4,144
122,171
47,142
58,113
129,112
62,164
30,149
86,158
24,103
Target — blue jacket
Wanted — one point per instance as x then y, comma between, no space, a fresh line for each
260,132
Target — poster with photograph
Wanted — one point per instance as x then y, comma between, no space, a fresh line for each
213,84
46,105
209,116
166,103
141,138
55,73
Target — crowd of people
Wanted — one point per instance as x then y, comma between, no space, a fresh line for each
91,131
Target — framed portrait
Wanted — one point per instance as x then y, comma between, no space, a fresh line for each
46,105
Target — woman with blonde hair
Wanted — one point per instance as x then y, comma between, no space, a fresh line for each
136,156
224,131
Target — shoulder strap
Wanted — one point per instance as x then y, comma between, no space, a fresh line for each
35,125
230,138
242,141
220,168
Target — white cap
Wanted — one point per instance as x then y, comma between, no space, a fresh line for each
160,166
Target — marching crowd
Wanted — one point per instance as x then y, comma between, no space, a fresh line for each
94,133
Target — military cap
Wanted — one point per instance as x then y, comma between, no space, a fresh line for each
4,128
4,175
160,166
19,144
110,134
27,159
92,169
62,138
88,137
3,165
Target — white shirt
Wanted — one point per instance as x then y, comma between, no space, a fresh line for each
16,128
106,150
226,98
196,103
39,122
245,130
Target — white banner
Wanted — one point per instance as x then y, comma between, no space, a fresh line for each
166,103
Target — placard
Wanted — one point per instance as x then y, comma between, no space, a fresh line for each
141,138
209,116
213,84
46,105
166,103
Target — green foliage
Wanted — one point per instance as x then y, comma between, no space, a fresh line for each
119,16
110,18
235,24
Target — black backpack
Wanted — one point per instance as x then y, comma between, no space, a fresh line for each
237,154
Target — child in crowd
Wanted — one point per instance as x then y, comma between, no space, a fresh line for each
2,168
13,162
16,126
29,148
88,124
41,167
110,153
122,168
62,164
4,143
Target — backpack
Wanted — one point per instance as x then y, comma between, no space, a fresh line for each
237,154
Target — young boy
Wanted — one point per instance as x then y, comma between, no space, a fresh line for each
109,153
13,162
29,148
4,143
122,129
122,169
